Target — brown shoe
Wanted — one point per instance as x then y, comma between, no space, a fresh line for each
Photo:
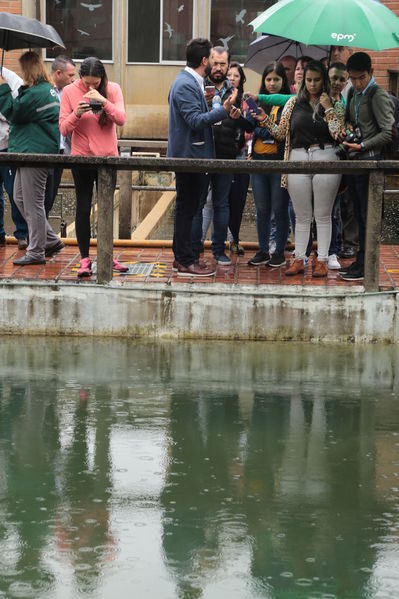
202,263
320,269
313,261
297,267
199,262
194,270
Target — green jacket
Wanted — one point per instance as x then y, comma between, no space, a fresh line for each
33,118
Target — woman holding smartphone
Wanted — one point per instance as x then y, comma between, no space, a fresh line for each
91,108
310,124
269,197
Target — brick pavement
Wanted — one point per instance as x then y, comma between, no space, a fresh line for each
63,267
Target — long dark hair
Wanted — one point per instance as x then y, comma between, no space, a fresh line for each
280,71
236,65
93,67
303,94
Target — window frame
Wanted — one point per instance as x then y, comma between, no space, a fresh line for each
79,60
257,33
160,61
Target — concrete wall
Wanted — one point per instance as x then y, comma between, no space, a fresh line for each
183,311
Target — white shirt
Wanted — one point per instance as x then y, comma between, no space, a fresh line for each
346,89
15,82
197,77
63,145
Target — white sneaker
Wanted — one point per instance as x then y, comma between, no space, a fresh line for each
333,263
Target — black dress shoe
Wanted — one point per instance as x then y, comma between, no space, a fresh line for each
54,249
27,260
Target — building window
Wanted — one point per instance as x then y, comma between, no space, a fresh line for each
85,27
229,24
158,30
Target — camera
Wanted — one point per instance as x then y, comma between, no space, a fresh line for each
95,105
355,136
351,137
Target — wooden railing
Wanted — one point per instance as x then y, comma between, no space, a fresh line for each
106,167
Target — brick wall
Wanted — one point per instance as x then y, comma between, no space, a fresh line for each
389,59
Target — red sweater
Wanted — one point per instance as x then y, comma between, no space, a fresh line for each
88,137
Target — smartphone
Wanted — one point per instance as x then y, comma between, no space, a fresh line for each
95,105
252,105
210,89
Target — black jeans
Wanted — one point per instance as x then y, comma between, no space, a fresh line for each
358,187
53,182
189,189
84,179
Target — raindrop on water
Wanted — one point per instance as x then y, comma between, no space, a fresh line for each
21,589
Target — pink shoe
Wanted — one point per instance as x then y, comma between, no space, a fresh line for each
118,266
85,268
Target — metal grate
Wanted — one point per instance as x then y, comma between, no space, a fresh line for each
141,269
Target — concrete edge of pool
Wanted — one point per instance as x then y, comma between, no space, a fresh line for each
269,313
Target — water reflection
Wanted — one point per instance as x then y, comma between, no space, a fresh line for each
202,485
198,470
85,485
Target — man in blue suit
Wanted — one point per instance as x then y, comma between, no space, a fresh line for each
190,136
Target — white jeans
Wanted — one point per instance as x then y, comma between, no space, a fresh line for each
323,189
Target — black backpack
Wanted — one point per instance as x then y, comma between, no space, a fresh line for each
390,149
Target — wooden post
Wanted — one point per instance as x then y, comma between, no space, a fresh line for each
373,230
105,234
125,198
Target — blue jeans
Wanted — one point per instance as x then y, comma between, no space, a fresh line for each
237,200
270,198
7,176
220,197
207,214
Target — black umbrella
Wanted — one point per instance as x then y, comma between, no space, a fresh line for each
21,32
268,48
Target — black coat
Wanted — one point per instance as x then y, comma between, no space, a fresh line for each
229,134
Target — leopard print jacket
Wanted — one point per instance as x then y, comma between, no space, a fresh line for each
335,120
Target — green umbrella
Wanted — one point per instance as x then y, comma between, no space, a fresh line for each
358,23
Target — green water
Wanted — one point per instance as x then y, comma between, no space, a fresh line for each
188,470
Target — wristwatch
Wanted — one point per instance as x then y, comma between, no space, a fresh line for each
362,146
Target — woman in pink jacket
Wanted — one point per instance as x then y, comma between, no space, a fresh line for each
91,107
